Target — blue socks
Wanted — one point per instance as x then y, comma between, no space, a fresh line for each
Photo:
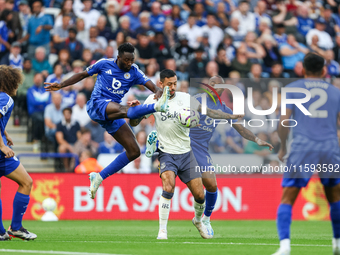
119,162
20,204
2,229
335,217
284,219
210,201
140,110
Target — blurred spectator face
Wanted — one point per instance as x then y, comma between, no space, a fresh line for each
68,6
109,52
170,64
291,40
234,23
250,37
191,21
277,69
159,39
108,138
256,97
211,21
111,8
80,25
273,84
86,137
319,26
56,99
27,65
242,51
88,83
125,25
220,7
141,138
72,36
298,68
23,8
315,40
281,30
87,56
336,83
36,7
84,155
145,21
40,55
58,70
303,11
329,55
135,8
234,77
101,23
66,21
244,8
81,100
199,55
15,51
261,7
176,11
120,39
67,115
264,103
151,70
156,8
199,9
64,55
211,69
143,41
327,14
221,55
93,33
184,87
268,44
38,79
9,5
256,70
87,5
168,25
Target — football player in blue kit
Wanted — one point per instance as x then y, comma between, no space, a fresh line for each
10,166
314,148
115,78
200,137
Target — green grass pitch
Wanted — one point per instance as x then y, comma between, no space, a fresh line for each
139,237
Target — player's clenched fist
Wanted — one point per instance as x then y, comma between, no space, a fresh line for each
7,151
52,86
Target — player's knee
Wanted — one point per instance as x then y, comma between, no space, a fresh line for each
168,187
27,183
211,186
134,152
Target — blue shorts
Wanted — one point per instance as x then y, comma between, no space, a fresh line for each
202,156
8,165
183,165
308,156
96,109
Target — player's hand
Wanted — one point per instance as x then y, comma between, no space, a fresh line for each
9,141
281,154
235,117
263,143
52,86
158,94
9,153
133,103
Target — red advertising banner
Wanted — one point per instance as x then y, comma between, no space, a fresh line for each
133,196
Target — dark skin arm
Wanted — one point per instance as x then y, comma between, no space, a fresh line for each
152,87
70,81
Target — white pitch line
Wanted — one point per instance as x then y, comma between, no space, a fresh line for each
56,252
200,243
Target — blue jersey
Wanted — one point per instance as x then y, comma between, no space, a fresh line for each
324,107
6,107
112,82
202,134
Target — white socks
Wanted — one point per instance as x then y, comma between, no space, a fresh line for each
336,242
285,244
163,212
199,209
206,218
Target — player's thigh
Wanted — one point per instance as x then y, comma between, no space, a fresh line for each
21,177
209,181
116,111
196,188
168,181
127,139
333,193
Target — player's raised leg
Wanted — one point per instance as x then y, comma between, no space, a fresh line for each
20,203
196,188
127,139
333,197
168,182
117,111
210,184
3,234
284,218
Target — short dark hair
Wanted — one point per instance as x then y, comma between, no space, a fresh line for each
166,73
313,63
67,109
125,47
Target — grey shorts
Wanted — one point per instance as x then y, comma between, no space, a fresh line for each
183,165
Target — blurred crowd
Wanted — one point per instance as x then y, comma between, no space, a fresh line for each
257,44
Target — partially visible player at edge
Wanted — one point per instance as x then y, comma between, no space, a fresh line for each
115,77
200,137
314,142
10,166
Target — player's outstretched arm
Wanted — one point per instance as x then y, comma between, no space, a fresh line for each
151,86
70,81
215,114
283,134
247,134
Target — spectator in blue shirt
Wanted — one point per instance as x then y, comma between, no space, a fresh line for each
304,22
4,45
37,99
333,68
57,74
52,116
38,30
157,18
40,64
280,36
110,145
133,14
